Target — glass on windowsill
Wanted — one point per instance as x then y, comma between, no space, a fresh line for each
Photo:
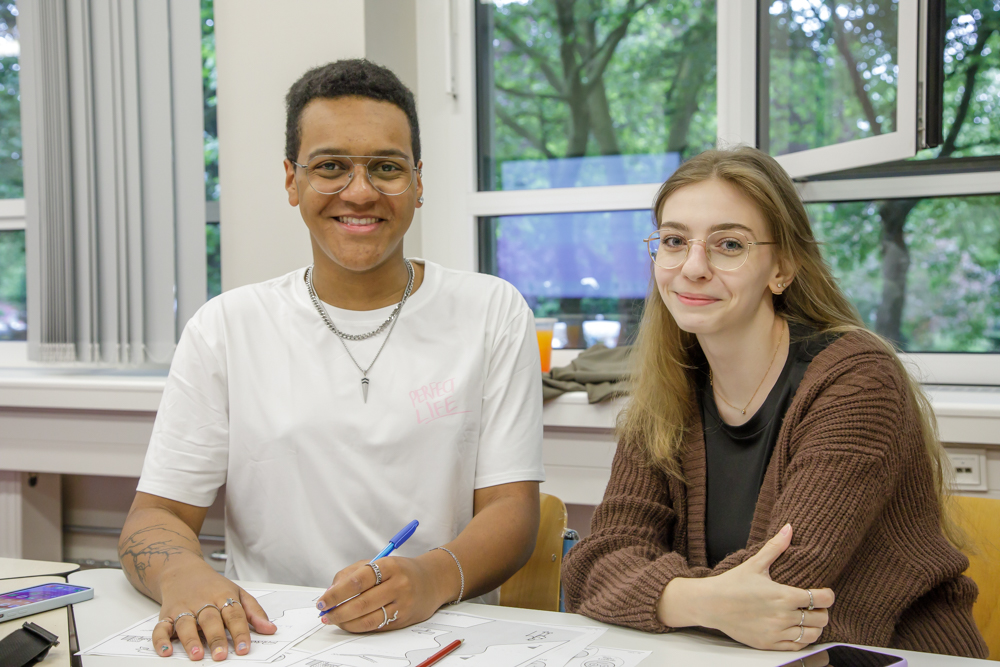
543,329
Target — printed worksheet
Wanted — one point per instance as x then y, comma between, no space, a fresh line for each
486,642
294,612
595,656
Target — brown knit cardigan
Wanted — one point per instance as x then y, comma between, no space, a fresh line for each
849,472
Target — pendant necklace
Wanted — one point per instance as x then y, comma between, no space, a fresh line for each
390,322
743,410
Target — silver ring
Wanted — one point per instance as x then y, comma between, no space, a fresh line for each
165,620
378,573
803,620
802,631
385,619
230,603
198,613
184,613
394,616
812,602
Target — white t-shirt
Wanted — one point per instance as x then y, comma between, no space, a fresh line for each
262,397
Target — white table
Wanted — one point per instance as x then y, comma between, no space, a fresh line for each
116,605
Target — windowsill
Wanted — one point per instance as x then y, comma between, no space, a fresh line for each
82,389
965,414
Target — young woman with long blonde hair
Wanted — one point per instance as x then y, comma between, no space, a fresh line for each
778,475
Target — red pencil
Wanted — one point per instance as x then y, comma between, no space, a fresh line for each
440,654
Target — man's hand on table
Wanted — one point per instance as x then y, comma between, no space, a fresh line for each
189,590
411,590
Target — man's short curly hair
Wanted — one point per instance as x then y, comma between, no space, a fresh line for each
347,78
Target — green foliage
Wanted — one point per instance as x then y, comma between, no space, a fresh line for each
953,290
586,78
972,81
214,260
832,73
209,86
11,160
12,286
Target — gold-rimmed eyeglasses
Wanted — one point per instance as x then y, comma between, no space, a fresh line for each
330,174
726,250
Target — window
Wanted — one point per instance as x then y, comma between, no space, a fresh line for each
11,162
938,290
582,94
12,253
916,244
13,320
837,83
590,270
913,235
594,104
13,295
209,85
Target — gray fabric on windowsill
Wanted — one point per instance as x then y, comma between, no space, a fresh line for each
600,371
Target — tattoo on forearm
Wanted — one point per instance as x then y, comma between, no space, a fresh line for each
151,547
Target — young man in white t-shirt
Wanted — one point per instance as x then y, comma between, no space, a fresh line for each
329,441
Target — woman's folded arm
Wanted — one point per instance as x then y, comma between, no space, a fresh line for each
618,573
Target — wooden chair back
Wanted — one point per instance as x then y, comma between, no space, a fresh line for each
536,585
980,518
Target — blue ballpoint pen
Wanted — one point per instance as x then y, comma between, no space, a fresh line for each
394,544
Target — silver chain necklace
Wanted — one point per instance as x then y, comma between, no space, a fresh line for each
344,337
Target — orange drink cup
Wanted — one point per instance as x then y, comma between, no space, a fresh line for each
543,329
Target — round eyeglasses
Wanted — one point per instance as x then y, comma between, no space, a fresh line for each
726,250
330,174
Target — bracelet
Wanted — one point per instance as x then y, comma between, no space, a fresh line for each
461,574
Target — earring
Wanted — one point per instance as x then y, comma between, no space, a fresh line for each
420,200
781,285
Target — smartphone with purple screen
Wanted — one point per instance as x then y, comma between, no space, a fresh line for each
28,601
842,655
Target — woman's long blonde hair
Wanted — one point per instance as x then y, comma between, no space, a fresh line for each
664,406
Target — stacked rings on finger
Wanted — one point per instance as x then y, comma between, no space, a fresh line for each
812,602
802,631
230,603
198,613
803,620
378,575
185,613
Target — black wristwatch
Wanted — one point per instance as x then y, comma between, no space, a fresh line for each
26,646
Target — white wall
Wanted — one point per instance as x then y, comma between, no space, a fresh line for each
261,49
391,41
258,60
448,132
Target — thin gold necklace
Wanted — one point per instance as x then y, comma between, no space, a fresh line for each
743,411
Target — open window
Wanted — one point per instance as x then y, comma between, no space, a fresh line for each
837,83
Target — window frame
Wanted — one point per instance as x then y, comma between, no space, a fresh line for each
449,114
11,215
13,353
899,144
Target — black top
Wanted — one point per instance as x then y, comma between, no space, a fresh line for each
737,456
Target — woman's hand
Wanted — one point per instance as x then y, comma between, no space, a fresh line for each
748,606
189,589
411,590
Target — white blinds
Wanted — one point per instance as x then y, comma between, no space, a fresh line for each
111,108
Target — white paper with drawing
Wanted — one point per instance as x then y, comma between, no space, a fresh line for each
293,612
595,656
486,642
